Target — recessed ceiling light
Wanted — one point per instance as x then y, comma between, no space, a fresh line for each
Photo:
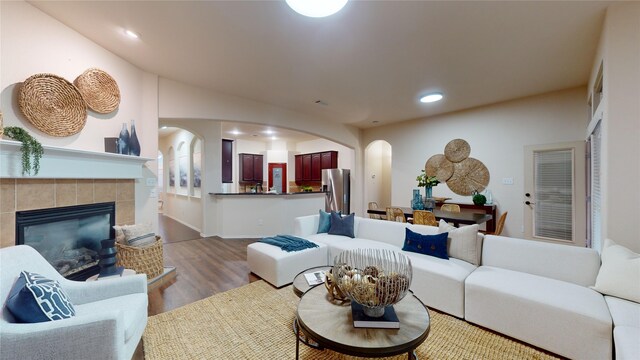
235,132
316,8
274,138
131,34
268,132
164,127
431,98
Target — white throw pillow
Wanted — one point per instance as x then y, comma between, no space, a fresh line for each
619,273
125,233
463,242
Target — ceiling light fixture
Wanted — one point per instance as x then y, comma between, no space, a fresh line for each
164,127
316,8
235,132
274,138
268,132
131,34
431,98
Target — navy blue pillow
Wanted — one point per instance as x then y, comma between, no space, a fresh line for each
325,222
342,225
34,298
433,245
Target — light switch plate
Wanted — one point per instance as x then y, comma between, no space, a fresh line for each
507,181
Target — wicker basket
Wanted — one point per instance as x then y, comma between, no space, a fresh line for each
144,260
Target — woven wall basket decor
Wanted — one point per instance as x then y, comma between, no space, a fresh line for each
52,104
440,167
468,176
99,89
457,150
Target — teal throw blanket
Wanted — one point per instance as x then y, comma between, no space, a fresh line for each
289,243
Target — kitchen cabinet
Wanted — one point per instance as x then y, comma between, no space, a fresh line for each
227,163
250,168
309,166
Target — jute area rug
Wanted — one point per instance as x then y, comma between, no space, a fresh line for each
255,322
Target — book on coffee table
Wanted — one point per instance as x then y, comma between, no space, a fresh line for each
387,321
315,278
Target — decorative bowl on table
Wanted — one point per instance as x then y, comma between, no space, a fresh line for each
373,278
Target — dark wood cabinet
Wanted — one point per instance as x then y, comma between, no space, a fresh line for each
309,166
298,165
227,161
250,168
316,169
306,167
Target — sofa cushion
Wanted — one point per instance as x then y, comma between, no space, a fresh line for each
557,261
627,343
623,312
464,243
390,232
619,273
439,283
35,298
432,245
338,244
541,311
324,222
342,225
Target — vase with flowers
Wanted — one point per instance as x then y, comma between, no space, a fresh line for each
428,182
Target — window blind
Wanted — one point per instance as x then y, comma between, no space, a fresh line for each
553,208
596,193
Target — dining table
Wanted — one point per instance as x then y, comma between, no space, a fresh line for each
457,218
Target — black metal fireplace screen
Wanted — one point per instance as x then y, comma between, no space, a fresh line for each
68,237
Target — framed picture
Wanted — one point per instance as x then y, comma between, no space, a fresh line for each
197,169
172,173
183,166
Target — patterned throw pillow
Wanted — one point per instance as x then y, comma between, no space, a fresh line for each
143,240
34,298
432,245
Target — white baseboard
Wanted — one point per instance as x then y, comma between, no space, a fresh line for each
183,223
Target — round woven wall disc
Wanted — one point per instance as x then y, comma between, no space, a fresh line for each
469,175
440,167
99,89
53,105
457,150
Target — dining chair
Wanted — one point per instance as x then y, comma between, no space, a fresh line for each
450,207
500,224
396,214
423,217
374,206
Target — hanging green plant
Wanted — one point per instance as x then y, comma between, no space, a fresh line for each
31,149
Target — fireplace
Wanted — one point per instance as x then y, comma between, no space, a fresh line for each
68,237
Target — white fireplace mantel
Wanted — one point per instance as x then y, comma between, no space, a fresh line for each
64,163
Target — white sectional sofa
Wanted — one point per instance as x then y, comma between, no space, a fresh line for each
535,292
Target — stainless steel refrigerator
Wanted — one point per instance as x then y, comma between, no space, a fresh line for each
337,185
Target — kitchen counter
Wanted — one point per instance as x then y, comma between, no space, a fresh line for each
254,215
269,194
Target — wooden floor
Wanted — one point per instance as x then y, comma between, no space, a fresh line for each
205,266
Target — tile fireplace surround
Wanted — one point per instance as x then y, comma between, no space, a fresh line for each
31,194
62,181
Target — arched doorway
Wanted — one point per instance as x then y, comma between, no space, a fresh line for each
377,170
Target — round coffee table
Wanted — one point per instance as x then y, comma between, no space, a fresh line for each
300,284
331,325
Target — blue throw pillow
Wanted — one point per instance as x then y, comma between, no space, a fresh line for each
342,225
433,245
34,298
325,222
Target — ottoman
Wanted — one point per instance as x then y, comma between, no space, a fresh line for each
279,267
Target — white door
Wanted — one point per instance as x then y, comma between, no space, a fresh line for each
554,193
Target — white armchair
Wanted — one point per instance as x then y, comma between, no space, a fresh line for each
111,314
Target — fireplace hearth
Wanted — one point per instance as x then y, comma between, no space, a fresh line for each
68,237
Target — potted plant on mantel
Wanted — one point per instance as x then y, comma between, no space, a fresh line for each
31,149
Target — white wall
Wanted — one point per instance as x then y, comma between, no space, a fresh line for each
497,135
181,101
377,178
620,53
178,203
33,42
